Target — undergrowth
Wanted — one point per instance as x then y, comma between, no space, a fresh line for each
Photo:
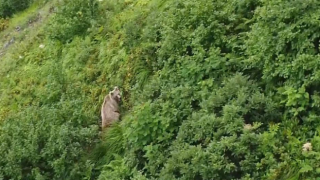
211,90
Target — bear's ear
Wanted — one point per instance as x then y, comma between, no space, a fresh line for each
116,88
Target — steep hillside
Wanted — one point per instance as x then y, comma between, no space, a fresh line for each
222,89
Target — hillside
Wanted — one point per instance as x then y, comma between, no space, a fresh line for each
221,90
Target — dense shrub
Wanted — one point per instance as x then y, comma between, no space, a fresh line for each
189,110
211,90
46,128
71,19
9,7
43,144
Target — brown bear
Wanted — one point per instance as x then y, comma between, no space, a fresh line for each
110,108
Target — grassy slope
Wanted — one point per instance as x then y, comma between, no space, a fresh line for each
32,105
181,73
30,28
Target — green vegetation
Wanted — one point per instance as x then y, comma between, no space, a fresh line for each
223,89
9,7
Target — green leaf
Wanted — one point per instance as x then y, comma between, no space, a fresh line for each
306,168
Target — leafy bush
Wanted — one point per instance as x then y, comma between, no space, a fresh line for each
46,130
44,144
211,90
71,19
190,110
9,7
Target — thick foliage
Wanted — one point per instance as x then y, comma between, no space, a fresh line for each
190,110
211,90
72,19
46,128
44,143
9,7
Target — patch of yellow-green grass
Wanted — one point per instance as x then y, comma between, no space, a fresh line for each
22,16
